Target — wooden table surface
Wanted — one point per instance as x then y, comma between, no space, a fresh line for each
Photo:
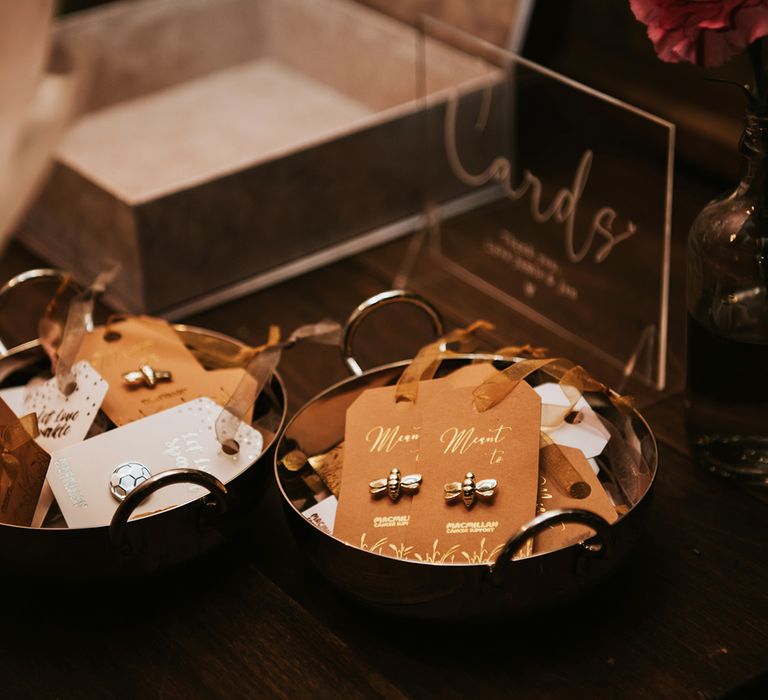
686,617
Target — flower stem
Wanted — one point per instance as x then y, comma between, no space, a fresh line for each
760,87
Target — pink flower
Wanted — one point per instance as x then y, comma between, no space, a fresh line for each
704,32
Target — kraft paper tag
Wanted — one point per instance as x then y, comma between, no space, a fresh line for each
20,489
501,443
551,497
382,434
179,437
63,419
144,340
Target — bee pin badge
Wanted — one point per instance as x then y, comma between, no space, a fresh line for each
468,489
394,483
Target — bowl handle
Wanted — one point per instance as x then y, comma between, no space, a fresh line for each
392,296
599,546
18,281
119,524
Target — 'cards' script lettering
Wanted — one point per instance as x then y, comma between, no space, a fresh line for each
561,209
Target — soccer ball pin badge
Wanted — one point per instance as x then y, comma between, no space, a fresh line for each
126,477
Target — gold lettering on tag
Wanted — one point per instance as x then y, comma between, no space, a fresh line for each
460,440
387,439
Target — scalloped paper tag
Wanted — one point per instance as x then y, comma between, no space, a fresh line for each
63,419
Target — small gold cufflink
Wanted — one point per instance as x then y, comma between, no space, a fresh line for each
147,376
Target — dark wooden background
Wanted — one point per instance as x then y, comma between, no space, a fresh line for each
687,617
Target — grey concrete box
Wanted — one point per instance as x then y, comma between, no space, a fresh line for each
232,143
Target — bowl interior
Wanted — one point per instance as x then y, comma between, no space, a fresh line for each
213,350
627,466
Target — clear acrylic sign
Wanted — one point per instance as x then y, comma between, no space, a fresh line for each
560,202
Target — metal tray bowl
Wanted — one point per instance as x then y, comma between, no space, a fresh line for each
443,591
154,542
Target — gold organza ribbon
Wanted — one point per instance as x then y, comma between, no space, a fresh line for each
498,386
518,350
262,362
50,328
573,380
428,359
61,344
13,436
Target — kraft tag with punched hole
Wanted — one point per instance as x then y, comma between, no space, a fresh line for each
552,497
382,434
142,341
81,475
23,464
463,519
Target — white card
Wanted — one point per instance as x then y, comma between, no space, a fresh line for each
590,436
14,398
63,420
66,420
180,437
323,515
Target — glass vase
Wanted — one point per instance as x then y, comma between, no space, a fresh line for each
727,340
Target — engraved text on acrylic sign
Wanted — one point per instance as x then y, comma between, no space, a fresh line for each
565,205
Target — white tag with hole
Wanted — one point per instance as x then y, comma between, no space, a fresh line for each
14,399
66,420
589,434
85,477
63,419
